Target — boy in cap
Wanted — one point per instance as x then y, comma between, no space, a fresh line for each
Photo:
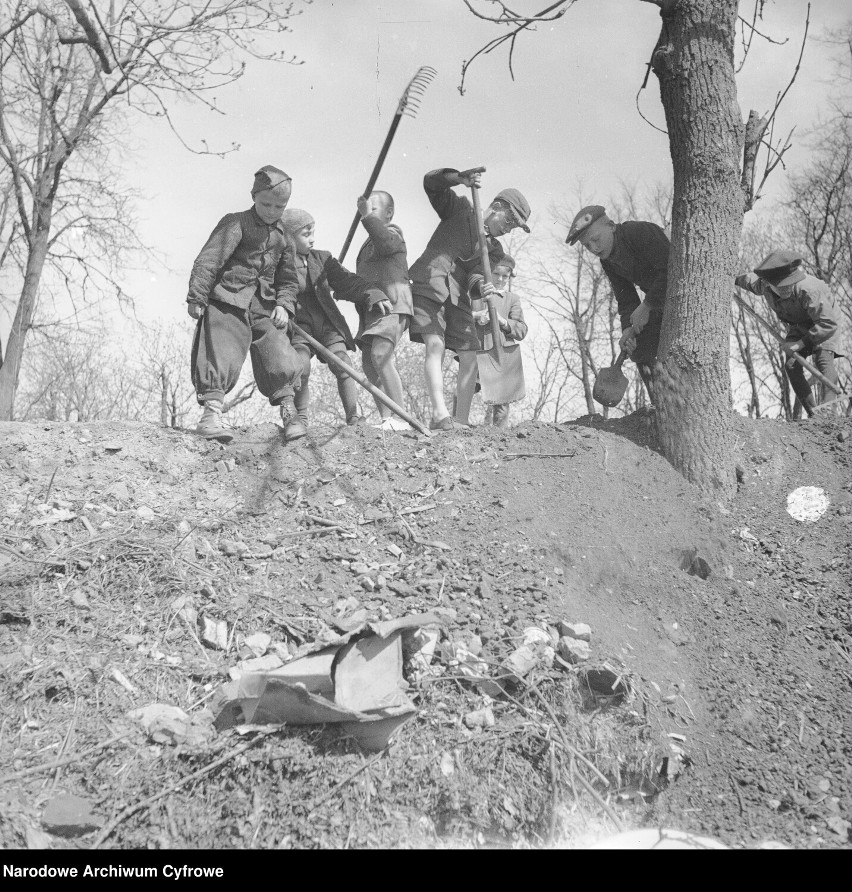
318,274
806,306
448,272
383,263
513,329
631,253
242,291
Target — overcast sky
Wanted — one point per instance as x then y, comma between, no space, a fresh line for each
569,117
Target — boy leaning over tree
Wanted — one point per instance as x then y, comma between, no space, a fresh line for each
806,306
447,273
631,253
242,291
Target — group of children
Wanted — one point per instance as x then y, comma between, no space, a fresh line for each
260,288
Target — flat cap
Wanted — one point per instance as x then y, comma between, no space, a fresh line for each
781,268
294,219
517,203
583,220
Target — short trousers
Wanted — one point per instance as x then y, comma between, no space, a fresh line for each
320,330
453,323
390,327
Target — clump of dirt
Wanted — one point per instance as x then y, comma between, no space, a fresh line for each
723,631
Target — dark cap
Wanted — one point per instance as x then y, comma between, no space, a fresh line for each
506,260
269,177
781,268
584,220
517,203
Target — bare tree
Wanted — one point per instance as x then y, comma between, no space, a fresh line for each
711,151
71,73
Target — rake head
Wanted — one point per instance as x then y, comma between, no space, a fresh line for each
410,100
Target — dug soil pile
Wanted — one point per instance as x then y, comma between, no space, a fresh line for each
144,566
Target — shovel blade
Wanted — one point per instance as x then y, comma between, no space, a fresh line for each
610,387
501,377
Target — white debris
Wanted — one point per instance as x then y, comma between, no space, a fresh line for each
807,503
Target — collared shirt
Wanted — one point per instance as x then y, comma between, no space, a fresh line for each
243,258
640,256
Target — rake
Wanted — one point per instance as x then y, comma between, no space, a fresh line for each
409,104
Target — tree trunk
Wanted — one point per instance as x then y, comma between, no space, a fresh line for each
11,368
694,61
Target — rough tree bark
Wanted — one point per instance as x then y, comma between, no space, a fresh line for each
694,62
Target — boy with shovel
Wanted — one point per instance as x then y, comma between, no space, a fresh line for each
513,329
383,263
806,306
318,274
242,291
631,253
448,271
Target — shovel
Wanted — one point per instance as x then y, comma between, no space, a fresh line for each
611,384
501,369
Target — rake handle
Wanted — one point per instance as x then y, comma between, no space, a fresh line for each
357,376
371,183
486,264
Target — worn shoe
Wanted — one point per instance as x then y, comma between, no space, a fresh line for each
210,424
445,424
294,427
355,419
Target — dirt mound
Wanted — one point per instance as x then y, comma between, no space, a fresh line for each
731,623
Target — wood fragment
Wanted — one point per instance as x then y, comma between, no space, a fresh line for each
540,454
59,763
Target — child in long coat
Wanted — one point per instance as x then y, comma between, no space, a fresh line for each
319,274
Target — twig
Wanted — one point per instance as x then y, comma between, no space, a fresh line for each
50,485
344,782
540,454
147,803
67,760
319,532
554,790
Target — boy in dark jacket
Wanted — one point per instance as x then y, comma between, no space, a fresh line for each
383,263
450,270
318,274
242,291
631,253
513,328
806,306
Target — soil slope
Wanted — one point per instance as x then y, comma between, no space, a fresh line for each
108,531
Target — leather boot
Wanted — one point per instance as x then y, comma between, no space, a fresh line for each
210,424
294,429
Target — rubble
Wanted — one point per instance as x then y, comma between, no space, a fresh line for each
68,815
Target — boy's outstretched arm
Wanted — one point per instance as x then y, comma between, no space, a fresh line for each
208,264
286,286
349,286
438,185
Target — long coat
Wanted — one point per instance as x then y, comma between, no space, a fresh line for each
508,305
325,275
809,312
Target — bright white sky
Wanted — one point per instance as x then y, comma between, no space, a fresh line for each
569,117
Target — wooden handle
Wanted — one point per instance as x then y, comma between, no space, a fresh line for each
357,376
486,271
800,359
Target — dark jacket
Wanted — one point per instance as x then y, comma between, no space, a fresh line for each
509,307
451,265
325,275
640,256
809,313
242,258
383,263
